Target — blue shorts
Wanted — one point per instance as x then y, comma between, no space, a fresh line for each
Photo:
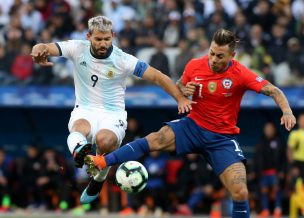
269,180
220,150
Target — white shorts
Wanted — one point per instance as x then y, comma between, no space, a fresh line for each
100,119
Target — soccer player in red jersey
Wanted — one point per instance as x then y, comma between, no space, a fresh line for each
217,83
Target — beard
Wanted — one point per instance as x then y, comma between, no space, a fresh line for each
216,68
101,52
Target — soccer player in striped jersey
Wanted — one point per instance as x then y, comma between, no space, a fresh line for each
100,73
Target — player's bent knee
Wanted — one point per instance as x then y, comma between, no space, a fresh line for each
82,126
161,140
240,194
153,141
105,144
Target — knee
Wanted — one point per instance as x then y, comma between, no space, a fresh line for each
155,142
104,143
240,194
82,126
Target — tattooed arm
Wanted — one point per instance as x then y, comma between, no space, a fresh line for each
288,118
187,89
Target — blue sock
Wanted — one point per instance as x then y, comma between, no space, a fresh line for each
241,209
195,198
264,201
278,199
130,151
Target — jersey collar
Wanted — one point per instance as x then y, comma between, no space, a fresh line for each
226,68
229,65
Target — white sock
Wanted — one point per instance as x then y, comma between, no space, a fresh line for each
102,175
75,138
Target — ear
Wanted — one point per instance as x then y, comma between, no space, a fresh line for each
233,54
88,35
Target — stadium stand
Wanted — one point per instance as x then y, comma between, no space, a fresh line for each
35,102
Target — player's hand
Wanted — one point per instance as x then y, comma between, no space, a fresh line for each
190,88
41,57
288,120
184,105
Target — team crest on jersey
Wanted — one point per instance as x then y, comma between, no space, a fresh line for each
212,87
110,74
227,83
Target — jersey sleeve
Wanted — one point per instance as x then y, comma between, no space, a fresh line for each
67,49
251,80
134,66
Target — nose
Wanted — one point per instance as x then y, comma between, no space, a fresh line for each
102,43
213,60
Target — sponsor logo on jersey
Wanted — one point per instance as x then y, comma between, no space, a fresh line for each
110,74
212,87
198,78
259,79
83,63
227,83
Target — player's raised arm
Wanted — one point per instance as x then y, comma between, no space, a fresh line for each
41,52
155,76
287,118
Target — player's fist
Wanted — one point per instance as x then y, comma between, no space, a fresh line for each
190,88
40,55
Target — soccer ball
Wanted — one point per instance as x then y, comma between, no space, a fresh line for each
131,177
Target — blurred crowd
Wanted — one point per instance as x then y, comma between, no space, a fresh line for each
165,33
46,180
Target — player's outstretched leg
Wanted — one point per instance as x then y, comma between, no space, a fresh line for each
130,151
79,147
94,187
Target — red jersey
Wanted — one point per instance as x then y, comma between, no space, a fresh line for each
219,95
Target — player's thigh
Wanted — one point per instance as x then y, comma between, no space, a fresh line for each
109,131
163,140
80,122
234,179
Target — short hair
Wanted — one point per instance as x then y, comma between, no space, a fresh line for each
224,37
101,23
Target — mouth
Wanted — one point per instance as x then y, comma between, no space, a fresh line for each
102,50
215,68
